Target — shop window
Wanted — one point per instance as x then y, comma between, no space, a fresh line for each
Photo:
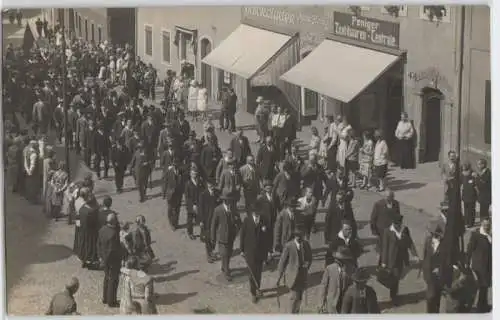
487,112
166,41
437,13
148,40
99,34
403,10
227,77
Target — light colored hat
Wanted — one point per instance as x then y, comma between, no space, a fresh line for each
260,99
194,82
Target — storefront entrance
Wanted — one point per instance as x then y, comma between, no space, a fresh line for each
206,70
431,124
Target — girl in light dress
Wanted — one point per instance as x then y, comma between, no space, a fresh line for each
202,102
193,99
366,161
315,140
323,148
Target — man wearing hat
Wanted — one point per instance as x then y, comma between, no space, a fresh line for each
41,115
267,159
207,202
223,164
338,211
336,280
225,100
285,224
230,181
119,156
240,147
431,264
110,255
224,228
63,303
267,207
149,135
383,214
359,297
344,238
192,192
250,181
443,213
255,243
80,130
173,187
102,150
118,126
261,119
294,265
139,166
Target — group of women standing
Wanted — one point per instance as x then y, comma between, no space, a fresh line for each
190,96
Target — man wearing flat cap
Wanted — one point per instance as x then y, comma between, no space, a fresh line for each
294,265
225,226
192,191
173,188
63,303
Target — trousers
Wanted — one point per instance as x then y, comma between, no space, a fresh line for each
226,251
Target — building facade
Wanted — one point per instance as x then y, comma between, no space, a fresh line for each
96,24
175,37
367,63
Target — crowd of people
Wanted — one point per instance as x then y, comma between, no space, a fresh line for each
109,126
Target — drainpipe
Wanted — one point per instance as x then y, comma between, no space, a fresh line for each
460,81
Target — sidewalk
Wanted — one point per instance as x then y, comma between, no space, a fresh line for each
420,188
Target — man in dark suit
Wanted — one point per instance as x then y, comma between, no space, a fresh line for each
210,157
139,166
225,226
479,256
81,127
172,192
102,146
255,239
344,239
231,111
182,127
208,201
148,131
383,214
192,192
231,182
294,263
119,156
267,159
89,143
240,147
109,251
431,267
483,182
288,133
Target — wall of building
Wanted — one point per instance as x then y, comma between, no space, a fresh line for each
94,16
211,23
430,47
476,73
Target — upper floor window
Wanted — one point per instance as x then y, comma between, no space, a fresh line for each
148,40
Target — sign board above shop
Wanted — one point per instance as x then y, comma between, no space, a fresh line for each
368,30
320,19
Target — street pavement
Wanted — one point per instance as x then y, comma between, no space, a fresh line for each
12,33
40,260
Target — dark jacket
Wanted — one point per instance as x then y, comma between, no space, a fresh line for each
354,303
483,182
62,304
395,252
225,225
479,255
206,206
192,194
354,246
266,162
382,217
255,240
108,245
173,184
240,149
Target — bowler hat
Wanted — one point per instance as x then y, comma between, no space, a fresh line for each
343,253
226,196
361,275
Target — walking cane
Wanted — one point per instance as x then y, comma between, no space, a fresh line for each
252,275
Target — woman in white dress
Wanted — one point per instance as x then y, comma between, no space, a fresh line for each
202,102
193,99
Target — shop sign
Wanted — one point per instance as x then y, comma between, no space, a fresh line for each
367,30
285,17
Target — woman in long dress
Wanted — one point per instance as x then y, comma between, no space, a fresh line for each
59,183
366,160
137,291
202,102
87,223
404,133
193,99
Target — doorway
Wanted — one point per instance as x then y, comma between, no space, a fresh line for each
311,100
431,109
71,22
206,70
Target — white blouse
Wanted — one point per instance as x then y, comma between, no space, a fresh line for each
380,153
404,130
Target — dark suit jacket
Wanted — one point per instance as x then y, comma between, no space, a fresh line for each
267,208
148,134
209,158
240,150
225,226
283,229
174,184
192,194
166,160
290,263
394,253
81,125
266,161
430,261
206,206
108,245
382,217
255,240
483,182
353,303
354,246
479,255
289,129
101,143
230,183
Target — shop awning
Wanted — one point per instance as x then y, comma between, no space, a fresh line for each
246,50
339,70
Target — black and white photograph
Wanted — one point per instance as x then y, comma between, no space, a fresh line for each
301,159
